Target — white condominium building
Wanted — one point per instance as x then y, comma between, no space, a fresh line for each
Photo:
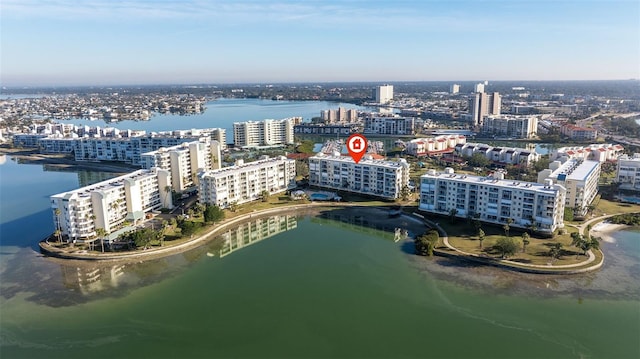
516,126
110,203
433,145
493,199
264,133
578,177
384,94
506,155
184,161
377,124
379,178
245,182
594,152
483,104
628,172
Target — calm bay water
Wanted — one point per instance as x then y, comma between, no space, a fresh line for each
317,287
223,113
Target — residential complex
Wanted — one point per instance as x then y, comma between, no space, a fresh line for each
579,133
108,204
494,199
113,145
483,104
628,172
594,152
434,145
264,133
246,182
379,178
578,177
378,124
184,161
384,94
342,115
499,155
515,126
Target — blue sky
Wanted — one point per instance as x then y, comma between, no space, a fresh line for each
112,42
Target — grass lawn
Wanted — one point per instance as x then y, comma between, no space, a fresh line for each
536,252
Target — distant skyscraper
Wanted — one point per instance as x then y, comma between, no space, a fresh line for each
482,104
384,94
454,89
478,88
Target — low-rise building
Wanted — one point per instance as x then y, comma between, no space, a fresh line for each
593,152
499,155
434,145
494,199
378,178
628,172
246,182
579,133
579,178
108,204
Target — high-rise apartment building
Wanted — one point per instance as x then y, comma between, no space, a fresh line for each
264,133
379,178
384,94
108,204
478,88
389,125
494,199
340,115
579,178
516,126
184,161
482,104
246,182
454,89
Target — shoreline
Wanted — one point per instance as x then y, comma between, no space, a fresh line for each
32,156
604,230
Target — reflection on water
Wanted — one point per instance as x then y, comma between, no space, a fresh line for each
92,279
251,232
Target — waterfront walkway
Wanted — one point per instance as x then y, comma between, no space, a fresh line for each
522,267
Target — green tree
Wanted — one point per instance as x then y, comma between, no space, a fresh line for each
405,193
555,252
481,235
101,233
213,214
58,231
426,243
478,160
264,195
507,226
568,214
506,246
525,241
188,228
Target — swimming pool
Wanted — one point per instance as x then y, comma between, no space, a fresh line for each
319,197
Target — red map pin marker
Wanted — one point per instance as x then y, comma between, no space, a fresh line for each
357,146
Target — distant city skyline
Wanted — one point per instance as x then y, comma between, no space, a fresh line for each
135,42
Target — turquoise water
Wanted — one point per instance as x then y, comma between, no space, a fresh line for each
318,197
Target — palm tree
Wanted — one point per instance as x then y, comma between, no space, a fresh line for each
525,241
101,232
58,232
481,236
507,226
265,195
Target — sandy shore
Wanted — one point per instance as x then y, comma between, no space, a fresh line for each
604,230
